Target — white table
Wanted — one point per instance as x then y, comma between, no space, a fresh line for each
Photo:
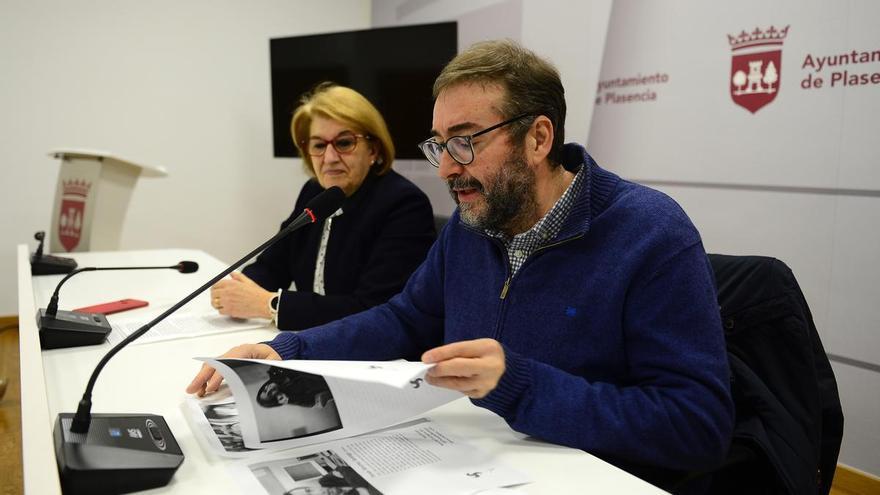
150,378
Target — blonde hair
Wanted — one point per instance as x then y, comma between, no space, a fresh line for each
344,105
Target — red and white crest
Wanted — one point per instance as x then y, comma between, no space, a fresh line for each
756,66
72,214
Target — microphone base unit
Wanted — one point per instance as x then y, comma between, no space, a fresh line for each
71,329
120,453
48,264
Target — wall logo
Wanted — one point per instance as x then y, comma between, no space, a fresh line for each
73,206
756,66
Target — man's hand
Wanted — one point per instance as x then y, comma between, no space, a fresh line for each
472,367
241,297
208,380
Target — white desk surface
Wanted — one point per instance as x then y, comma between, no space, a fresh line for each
150,378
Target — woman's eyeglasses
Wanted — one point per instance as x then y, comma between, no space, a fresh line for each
343,143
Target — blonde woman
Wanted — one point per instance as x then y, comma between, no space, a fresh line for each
360,256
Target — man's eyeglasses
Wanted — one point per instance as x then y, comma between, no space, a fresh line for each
344,143
460,148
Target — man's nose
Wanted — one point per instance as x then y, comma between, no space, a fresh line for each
448,167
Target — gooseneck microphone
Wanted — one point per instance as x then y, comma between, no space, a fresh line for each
102,463
182,267
60,329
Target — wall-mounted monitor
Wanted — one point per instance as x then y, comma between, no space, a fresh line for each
393,67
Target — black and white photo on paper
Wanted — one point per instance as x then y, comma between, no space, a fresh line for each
324,473
287,404
224,420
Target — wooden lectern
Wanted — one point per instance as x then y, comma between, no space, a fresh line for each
94,188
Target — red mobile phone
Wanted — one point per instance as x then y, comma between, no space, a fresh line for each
113,307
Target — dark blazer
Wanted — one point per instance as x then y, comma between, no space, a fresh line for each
789,422
384,233
787,404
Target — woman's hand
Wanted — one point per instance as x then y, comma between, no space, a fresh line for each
241,297
208,380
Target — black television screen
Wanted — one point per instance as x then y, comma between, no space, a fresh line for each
393,67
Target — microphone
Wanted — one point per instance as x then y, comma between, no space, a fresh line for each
60,329
140,451
318,208
47,264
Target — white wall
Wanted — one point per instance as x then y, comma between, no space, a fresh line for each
184,85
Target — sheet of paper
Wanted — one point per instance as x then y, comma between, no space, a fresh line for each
286,404
178,326
394,373
417,457
215,420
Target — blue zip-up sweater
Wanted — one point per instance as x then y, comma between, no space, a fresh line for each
611,332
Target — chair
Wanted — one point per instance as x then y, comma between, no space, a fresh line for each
789,422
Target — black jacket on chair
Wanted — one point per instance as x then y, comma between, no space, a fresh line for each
789,422
383,234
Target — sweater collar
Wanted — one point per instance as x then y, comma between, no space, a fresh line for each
592,199
597,188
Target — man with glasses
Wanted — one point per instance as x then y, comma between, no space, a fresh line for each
578,306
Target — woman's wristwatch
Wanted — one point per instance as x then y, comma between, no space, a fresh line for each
274,302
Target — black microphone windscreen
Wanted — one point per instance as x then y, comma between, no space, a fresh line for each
326,203
188,267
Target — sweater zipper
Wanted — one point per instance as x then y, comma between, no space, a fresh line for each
504,289
507,281
506,286
509,273
547,246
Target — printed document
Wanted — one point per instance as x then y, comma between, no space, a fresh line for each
315,426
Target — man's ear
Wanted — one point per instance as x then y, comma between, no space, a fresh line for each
539,140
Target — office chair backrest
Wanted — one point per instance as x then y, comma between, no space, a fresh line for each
789,422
